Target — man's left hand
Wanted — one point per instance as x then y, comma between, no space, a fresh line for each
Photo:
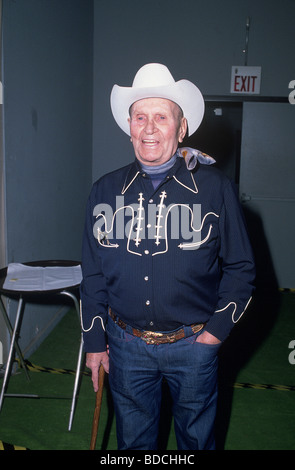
207,338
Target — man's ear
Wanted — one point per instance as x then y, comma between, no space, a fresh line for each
182,129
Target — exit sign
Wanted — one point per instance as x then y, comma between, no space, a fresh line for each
245,80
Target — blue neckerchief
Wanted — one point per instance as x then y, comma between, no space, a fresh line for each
192,156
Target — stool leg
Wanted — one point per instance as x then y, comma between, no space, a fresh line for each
79,362
76,383
10,356
9,327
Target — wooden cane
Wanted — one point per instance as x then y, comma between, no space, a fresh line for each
97,408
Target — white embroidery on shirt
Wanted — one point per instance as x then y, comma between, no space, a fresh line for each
191,245
134,229
102,236
159,216
140,219
124,189
185,246
234,310
92,323
187,187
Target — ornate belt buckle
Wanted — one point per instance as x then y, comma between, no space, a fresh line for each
150,337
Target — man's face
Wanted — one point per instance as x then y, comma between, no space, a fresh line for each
156,127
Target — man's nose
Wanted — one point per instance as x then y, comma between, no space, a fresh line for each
150,126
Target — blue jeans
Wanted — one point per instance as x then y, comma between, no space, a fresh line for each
135,378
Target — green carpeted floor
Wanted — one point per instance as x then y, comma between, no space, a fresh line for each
251,416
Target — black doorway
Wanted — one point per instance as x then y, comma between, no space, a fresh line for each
220,135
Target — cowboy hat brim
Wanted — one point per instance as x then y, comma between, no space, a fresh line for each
184,93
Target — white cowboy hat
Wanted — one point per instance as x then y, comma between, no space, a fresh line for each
156,81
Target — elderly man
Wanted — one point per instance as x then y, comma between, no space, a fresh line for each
167,267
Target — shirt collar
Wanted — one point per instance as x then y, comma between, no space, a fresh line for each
183,171
133,172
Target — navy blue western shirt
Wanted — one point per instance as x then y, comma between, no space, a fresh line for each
166,257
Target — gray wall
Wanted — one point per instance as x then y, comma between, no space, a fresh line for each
47,125
198,40
47,76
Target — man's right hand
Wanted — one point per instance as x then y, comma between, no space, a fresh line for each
93,362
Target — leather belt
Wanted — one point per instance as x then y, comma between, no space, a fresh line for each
153,337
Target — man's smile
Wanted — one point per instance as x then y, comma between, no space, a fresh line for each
149,141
